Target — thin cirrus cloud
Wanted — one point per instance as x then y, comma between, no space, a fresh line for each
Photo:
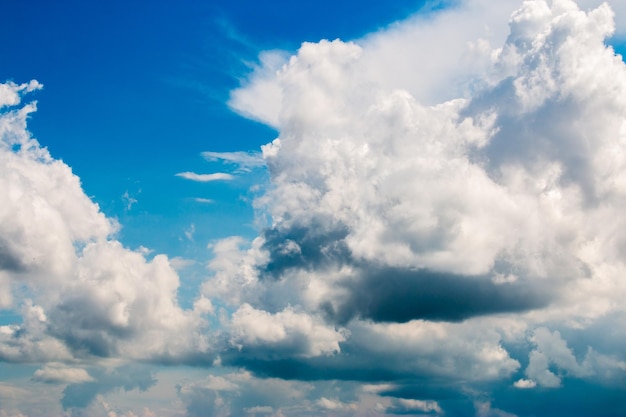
444,248
245,161
218,176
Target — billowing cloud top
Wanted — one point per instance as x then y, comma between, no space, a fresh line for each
505,194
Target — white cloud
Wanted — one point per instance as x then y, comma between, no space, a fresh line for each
245,161
552,359
471,30
294,332
119,292
90,295
525,384
128,200
434,187
259,409
261,88
334,404
203,200
555,348
234,274
469,351
10,93
418,405
416,184
460,38
618,7
538,370
45,210
218,176
60,374
179,263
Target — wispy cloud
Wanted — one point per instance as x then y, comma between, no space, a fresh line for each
245,161
203,200
128,200
218,176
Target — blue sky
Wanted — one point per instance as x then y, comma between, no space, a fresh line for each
312,208
134,92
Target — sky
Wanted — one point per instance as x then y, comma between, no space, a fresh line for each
285,209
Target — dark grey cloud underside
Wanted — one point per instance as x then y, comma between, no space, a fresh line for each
90,333
8,260
385,294
341,367
401,295
319,248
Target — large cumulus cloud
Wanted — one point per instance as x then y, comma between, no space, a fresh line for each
485,225
80,293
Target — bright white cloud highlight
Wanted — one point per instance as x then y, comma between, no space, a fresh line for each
296,333
218,176
60,374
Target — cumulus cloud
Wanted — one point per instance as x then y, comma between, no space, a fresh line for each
87,294
11,93
525,384
260,99
447,212
59,373
29,341
408,406
295,333
618,7
45,209
332,404
123,305
378,187
551,348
